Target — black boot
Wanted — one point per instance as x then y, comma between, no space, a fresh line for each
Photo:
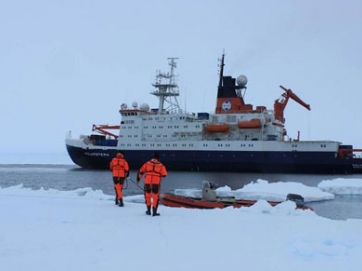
154,212
116,201
121,203
148,212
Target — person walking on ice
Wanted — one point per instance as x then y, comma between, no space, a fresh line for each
154,171
120,171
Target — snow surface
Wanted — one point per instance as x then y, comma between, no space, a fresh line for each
84,230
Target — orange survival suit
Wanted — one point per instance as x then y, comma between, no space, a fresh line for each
154,171
120,171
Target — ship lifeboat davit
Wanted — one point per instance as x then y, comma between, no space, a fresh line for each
217,128
249,124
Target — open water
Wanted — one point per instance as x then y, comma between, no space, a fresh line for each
69,177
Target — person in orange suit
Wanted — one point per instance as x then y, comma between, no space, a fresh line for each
120,171
154,171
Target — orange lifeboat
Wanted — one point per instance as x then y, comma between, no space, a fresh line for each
249,124
217,128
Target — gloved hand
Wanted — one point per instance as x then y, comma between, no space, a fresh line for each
127,173
138,179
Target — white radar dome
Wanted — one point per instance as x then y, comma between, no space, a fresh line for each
134,104
241,80
145,107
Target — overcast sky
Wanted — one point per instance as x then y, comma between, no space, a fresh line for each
68,64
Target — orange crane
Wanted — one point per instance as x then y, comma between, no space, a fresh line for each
280,104
102,129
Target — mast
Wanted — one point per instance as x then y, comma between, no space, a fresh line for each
167,89
221,71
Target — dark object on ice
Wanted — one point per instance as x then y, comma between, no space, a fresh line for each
298,199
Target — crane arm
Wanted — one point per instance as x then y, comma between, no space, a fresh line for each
102,129
279,105
289,93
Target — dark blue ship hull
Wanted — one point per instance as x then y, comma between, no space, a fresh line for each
263,162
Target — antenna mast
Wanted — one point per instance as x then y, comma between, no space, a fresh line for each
167,89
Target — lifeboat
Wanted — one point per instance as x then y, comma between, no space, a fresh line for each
249,124
217,128
172,200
